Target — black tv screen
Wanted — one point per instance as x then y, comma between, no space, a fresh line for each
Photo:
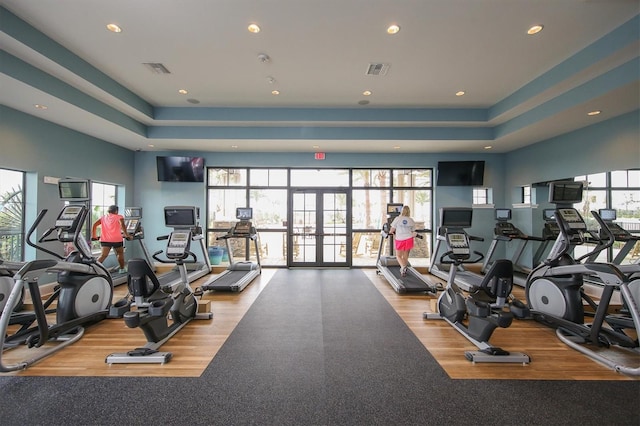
456,217
565,192
180,169
460,173
73,190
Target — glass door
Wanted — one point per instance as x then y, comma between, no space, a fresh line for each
318,231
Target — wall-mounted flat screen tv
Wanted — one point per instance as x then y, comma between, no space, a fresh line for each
180,169
460,173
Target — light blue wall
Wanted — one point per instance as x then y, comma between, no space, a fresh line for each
610,145
45,149
153,195
41,149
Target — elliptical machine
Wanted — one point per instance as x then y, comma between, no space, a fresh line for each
83,293
7,271
487,307
156,303
555,294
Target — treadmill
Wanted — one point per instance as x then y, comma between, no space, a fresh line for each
388,266
132,221
620,235
632,270
455,220
239,274
184,218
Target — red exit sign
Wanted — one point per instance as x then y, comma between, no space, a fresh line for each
319,156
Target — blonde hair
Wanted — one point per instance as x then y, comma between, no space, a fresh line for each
405,211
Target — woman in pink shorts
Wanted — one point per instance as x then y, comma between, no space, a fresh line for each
403,228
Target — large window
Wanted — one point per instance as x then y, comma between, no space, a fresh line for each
11,215
267,192
619,190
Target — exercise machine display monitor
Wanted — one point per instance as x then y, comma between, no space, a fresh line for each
453,221
184,218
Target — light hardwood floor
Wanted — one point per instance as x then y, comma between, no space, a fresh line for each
196,345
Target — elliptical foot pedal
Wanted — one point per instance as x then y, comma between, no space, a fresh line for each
142,352
501,356
139,356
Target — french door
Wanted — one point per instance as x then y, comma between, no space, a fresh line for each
318,230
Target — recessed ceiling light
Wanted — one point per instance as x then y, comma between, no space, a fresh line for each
114,28
367,93
151,145
488,147
253,28
315,146
535,29
183,91
40,106
596,112
393,29
460,93
234,146
396,147
275,92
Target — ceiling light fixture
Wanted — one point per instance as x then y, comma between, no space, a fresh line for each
183,91
592,113
114,28
488,147
393,29
40,106
535,29
367,93
460,93
275,92
264,58
396,147
254,28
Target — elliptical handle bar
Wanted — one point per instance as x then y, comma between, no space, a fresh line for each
32,230
448,259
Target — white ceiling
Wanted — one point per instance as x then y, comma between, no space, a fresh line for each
319,52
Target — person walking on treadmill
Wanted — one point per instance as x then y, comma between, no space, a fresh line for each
112,228
403,227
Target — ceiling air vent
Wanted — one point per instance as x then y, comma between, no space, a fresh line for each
378,69
157,68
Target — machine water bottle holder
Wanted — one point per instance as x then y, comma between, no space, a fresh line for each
160,308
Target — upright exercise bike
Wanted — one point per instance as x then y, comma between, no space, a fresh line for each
487,307
161,310
82,295
555,293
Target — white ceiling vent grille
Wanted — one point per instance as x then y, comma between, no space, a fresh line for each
378,69
156,68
